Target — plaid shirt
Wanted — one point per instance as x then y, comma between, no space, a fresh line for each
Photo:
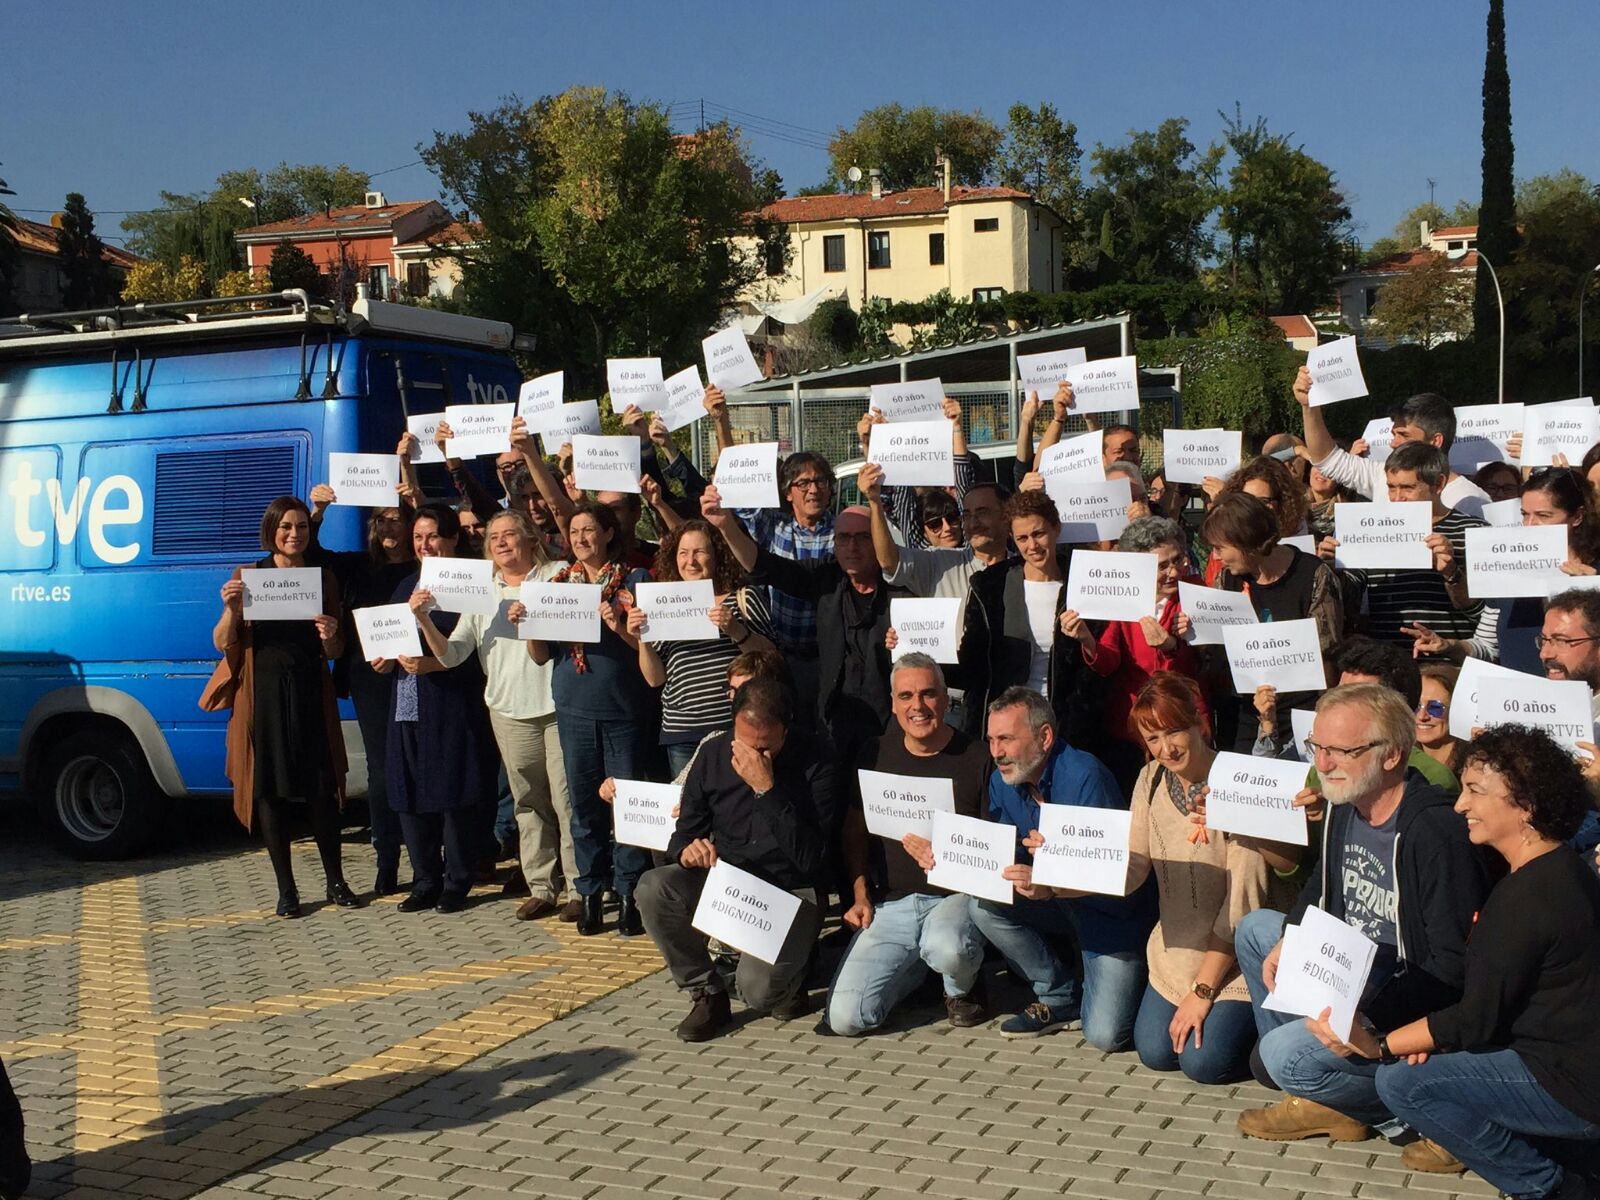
794,621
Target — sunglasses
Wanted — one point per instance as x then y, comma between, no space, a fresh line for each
935,522
1433,709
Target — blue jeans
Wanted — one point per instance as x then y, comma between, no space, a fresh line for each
591,750
888,959
1477,1106
679,755
1107,998
1223,1055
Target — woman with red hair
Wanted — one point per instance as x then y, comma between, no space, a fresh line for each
1195,1015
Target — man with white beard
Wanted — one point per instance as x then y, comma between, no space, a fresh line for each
1397,865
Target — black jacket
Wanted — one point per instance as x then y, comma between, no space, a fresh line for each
849,716
781,836
997,650
1440,885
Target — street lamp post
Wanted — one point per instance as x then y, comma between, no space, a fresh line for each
1583,295
1500,301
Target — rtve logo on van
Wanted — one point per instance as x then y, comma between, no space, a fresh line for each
37,504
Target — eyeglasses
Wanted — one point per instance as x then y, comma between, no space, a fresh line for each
1338,753
1541,641
505,467
1433,709
935,522
808,483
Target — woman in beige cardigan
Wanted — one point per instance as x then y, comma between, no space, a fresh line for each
1195,1015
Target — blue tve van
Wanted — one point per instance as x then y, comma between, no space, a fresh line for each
138,448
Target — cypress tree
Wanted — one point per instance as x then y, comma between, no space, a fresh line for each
1497,218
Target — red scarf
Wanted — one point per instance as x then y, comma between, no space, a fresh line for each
610,582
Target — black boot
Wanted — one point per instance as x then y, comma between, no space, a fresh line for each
288,903
629,922
339,893
592,919
710,1015
15,1169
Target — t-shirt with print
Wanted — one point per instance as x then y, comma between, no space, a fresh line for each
1366,873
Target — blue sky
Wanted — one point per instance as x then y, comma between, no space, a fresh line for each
166,95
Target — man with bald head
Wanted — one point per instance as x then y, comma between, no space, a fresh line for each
852,603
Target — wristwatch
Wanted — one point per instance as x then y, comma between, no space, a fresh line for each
1386,1055
1205,991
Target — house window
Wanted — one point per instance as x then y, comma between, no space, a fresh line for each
774,256
1369,297
936,249
986,225
987,295
417,280
878,250
378,282
833,252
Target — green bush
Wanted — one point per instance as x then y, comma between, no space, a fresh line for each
1237,381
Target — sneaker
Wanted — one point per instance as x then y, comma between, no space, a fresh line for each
1295,1119
1424,1154
712,1014
1037,1019
972,1009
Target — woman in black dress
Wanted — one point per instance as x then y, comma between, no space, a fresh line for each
284,746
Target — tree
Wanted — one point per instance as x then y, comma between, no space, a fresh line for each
153,282
1151,203
1407,233
1041,156
1497,217
292,267
81,256
1559,216
1428,303
903,144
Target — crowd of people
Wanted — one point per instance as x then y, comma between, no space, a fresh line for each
1469,861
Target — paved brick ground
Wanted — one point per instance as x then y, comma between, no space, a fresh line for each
170,1038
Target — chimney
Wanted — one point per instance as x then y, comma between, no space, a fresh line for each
944,166
877,183
1425,232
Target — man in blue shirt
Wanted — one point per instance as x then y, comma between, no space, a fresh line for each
1107,933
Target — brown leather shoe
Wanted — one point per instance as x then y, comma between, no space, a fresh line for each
1427,1155
572,910
535,908
1294,1119
712,1013
964,1012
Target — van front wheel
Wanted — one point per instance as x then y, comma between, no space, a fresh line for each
99,794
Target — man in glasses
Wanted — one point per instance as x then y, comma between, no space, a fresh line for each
1396,864
1569,642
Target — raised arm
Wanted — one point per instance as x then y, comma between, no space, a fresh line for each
870,481
717,405
1026,416
554,495
739,542
1058,421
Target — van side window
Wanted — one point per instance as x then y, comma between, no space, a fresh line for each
210,501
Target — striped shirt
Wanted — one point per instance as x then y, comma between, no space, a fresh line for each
794,621
695,697
1396,598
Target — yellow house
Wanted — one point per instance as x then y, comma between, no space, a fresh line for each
978,242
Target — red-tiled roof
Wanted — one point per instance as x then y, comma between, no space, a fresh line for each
1457,231
912,202
454,234
1297,326
355,216
45,239
1395,264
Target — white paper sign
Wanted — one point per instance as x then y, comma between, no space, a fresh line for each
1567,427
1300,721
641,813
1303,542
1043,373
387,631
635,381
747,913
913,400
1211,610
729,363
560,612
969,854
1085,849
539,399
1379,437
1107,585
1335,373
676,612
914,453
1384,537
1092,512
1482,431
291,594
372,480
929,626
606,464
423,426
1285,654
1255,797
686,399
1464,699
1560,707
1521,561
747,475
1105,385
569,421
1077,459
1189,455
896,805
1324,964
460,585
1502,514
479,429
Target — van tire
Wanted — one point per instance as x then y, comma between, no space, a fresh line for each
98,795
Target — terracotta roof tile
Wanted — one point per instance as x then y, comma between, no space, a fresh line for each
912,202
454,234
1297,326
1457,231
44,239
1394,264
355,216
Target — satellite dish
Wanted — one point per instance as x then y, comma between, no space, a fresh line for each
853,174
58,220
